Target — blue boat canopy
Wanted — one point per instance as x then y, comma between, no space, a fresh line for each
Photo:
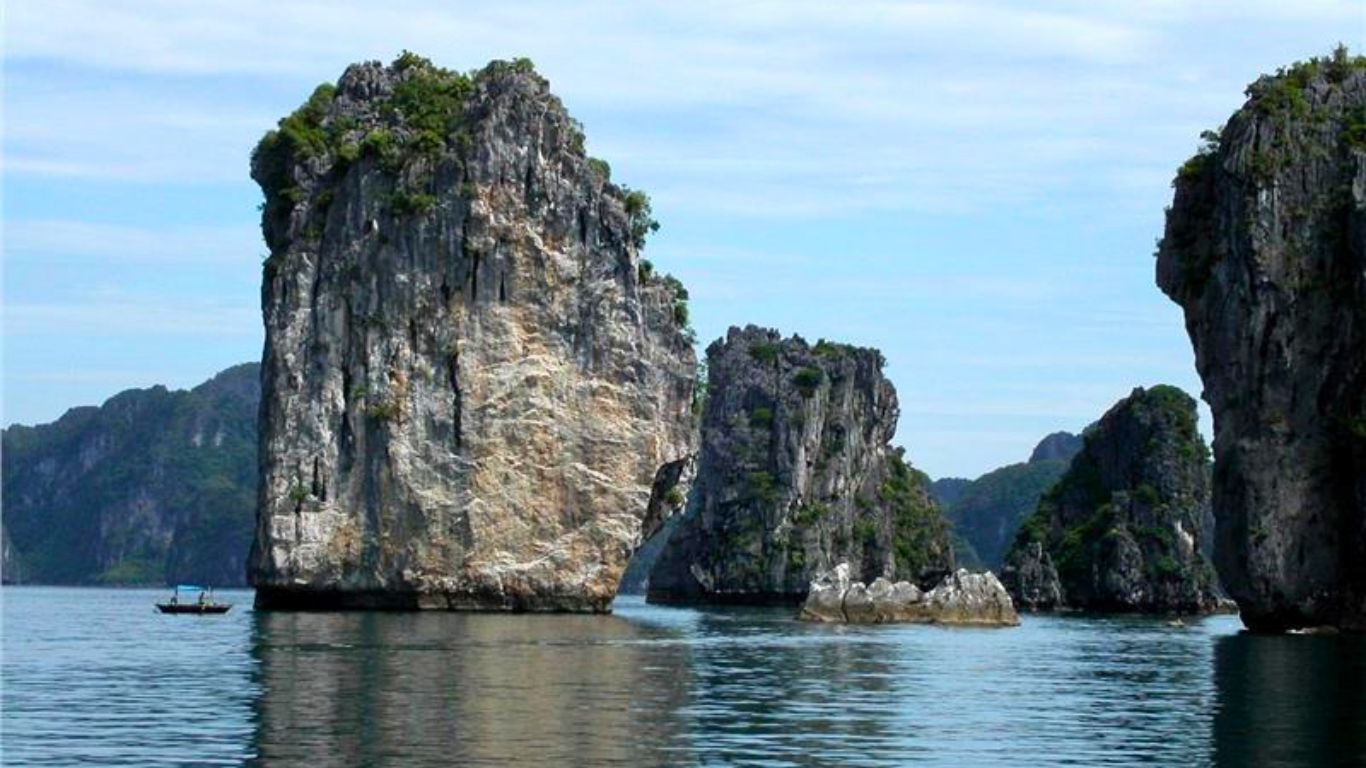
188,588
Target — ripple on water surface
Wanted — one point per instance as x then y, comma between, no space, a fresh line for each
95,677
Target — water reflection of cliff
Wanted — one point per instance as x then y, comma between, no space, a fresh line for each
769,690
1290,701
450,689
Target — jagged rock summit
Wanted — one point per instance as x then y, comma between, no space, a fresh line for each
1058,446
1265,251
796,474
474,389
1124,527
960,598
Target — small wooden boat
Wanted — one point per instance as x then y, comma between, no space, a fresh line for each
194,607
204,604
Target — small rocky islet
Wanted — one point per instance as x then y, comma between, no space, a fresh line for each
1127,526
796,475
959,599
477,395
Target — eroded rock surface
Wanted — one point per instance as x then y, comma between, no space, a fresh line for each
960,598
1123,528
472,382
1265,251
796,474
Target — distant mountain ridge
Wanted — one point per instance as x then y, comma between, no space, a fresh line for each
986,512
152,487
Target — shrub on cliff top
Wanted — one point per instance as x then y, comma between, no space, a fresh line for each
638,215
808,379
1283,94
764,352
421,117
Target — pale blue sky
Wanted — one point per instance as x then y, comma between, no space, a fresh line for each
973,187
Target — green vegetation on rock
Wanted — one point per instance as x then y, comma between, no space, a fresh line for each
1106,532
919,530
1283,94
808,379
991,508
421,121
639,215
153,487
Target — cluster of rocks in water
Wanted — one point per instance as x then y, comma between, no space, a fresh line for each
960,598
477,395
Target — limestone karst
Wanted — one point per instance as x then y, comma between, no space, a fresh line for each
472,380
796,474
1123,529
1265,251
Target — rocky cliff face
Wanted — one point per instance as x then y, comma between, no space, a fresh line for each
1265,251
1123,529
795,476
153,487
472,382
986,512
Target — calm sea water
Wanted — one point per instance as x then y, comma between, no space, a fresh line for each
95,677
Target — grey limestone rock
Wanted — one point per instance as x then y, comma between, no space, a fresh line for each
1124,527
959,598
10,570
474,389
796,475
1265,251
1033,579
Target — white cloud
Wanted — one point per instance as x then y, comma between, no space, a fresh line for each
800,107
746,121
54,238
113,317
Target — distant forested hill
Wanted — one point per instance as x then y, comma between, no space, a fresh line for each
152,487
986,512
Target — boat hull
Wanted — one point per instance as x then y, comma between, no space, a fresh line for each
193,608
